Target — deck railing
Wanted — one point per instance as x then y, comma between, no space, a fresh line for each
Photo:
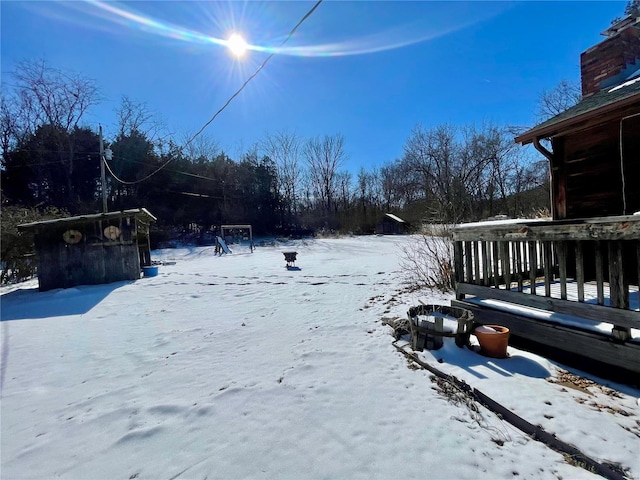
587,268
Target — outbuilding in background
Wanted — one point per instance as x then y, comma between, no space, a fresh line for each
391,225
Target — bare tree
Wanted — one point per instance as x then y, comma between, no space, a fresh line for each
132,116
325,156
10,130
461,174
50,102
399,185
136,118
368,188
202,149
433,157
499,173
632,8
558,99
344,180
284,149
50,96
487,155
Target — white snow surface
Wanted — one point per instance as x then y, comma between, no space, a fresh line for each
233,367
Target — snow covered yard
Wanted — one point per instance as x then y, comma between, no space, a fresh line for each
234,367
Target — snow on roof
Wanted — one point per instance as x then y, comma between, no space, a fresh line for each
393,217
94,216
606,100
634,74
505,221
625,84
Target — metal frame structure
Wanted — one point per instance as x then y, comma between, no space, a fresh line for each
240,227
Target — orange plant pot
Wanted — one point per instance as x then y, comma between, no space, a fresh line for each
493,344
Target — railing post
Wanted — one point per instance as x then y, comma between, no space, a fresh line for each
485,264
607,260
496,264
533,266
580,270
561,250
506,264
477,274
618,290
517,257
638,267
458,267
599,273
547,248
468,262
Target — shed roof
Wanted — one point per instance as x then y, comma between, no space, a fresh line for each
394,218
138,212
591,107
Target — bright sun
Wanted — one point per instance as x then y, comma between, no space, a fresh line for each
237,45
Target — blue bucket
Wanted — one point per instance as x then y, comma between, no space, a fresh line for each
150,271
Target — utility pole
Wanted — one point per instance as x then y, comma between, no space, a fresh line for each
102,175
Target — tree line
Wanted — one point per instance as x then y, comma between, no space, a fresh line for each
283,184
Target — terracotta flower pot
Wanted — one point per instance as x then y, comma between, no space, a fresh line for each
493,340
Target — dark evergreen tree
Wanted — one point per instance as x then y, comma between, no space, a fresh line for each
53,167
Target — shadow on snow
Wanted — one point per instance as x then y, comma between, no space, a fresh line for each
31,304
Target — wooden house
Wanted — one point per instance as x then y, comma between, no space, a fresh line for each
91,249
391,225
571,283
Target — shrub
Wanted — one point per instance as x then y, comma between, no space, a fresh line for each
428,261
17,256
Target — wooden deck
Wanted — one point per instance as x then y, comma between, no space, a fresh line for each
572,285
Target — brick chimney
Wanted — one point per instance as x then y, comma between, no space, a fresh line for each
612,61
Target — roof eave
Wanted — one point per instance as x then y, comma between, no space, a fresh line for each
89,217
553,129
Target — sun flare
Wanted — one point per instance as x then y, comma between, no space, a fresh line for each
237,45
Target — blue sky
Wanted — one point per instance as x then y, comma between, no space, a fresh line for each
369,70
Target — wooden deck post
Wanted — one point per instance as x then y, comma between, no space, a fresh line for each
457,267
533,266
580,270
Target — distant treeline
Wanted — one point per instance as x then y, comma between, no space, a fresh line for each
284,184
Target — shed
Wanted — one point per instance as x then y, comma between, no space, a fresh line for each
391,225
91,249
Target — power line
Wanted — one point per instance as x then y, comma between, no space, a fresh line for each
200,195
262,65
215,115
58,162
188,174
